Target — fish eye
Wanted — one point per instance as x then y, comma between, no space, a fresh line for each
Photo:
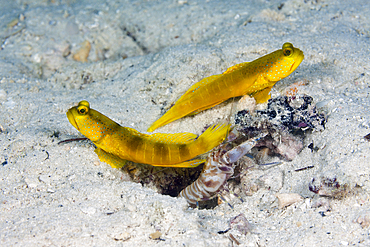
287,49
82,110
287,52
83,107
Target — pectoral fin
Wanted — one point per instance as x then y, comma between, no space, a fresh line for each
111,159
262,96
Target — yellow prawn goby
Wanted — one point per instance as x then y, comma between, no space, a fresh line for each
255,78
116,144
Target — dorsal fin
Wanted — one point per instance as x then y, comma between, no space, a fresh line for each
197,85
235,67
177,138
185,164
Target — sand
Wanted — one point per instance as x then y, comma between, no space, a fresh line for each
143,56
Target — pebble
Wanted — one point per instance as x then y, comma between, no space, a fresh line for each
82,54
287,199
122,236
88,210
155,235
31,182
364,220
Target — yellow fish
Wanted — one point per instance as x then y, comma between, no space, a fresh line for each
255,78
116,144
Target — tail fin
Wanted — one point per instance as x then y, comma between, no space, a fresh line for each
212,137
165,119
180,109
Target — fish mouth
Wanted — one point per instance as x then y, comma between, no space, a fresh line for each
292,67
297,61
71,118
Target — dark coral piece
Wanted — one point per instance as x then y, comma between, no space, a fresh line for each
296,112
285,119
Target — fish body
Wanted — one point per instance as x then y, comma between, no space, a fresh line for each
116,144
254,78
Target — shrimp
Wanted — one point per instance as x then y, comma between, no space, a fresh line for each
218,168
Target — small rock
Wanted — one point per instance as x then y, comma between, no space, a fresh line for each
131,207
45,178
21,17
287,199
241,224
155,235
122,236
324,203
31,182
82,54
88,210
66,50
364,220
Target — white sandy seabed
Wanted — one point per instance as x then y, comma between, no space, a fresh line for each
144,55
